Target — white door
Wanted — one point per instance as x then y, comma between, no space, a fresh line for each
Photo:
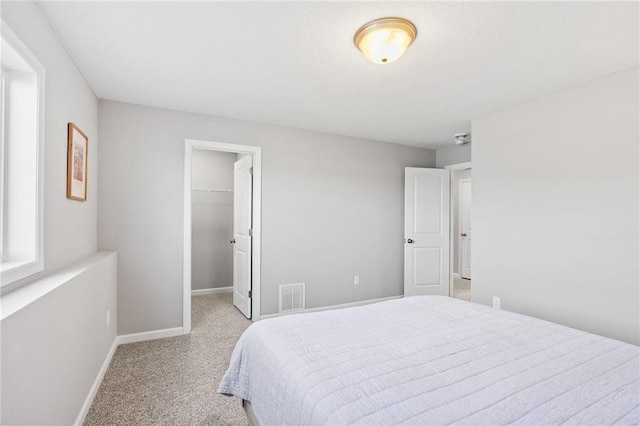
426,231
242,195
465,228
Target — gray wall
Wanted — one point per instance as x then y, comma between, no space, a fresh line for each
332,208
456,177
556,209
453,154
212,219
69,226
52,349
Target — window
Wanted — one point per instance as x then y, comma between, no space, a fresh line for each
21,160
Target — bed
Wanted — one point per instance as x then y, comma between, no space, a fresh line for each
431,360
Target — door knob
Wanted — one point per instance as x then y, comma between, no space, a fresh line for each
464,235
409,241
232,241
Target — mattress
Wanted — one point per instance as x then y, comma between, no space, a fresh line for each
431,360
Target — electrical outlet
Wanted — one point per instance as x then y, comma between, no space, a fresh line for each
356,280
108,317
496,302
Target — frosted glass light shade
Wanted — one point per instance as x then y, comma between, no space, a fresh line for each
384,40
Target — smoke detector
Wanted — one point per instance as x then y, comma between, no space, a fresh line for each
462,138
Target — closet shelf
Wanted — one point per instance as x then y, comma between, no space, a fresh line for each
212,190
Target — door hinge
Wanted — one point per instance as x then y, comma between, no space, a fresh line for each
249,294
250,232
250,170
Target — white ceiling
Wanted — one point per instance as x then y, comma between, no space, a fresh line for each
294,64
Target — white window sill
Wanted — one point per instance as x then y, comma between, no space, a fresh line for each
16,300
11,272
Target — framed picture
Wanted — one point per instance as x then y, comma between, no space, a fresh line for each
77,165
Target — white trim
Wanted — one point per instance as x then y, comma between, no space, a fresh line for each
15,271
459,166
186,254
149,335
256,262
205,291
455,275
37,264
84,410
330,307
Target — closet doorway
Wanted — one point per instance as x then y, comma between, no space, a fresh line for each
461,231
222,194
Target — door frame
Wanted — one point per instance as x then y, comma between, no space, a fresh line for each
256,241
453,167
460,215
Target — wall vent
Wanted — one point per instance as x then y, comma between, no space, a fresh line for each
292,297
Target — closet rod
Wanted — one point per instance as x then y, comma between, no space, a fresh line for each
212,190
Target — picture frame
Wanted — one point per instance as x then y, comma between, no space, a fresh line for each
77,163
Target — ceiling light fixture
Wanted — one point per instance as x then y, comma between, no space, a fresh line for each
384,40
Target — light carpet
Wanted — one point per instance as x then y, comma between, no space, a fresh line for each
174,380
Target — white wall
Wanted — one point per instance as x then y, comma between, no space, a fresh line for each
332,208
53,348
212,219
556,207
453,154
69,226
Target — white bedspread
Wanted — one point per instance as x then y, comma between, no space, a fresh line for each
432,360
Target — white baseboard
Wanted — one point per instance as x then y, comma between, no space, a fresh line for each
327,308
96,384
218,290
149,335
